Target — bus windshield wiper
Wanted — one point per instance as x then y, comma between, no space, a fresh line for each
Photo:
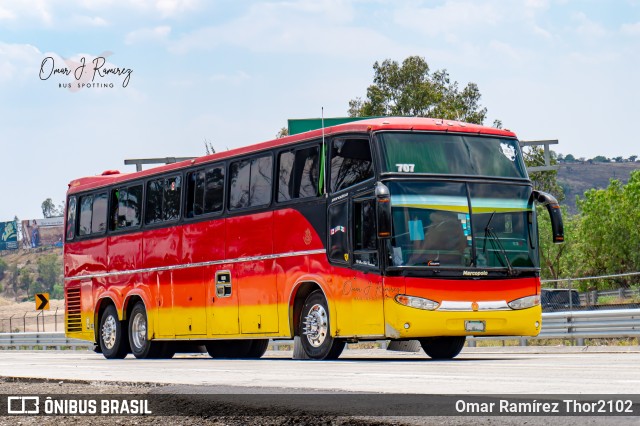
488,232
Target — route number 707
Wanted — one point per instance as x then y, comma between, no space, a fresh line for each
406,168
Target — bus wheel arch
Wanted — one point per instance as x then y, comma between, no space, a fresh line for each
301,292
99,309
314,329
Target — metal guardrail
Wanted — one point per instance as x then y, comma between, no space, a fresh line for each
30,341
555,325
580,325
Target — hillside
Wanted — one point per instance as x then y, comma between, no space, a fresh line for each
576,178
26,260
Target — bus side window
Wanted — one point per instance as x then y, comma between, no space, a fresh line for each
71,218
116,220
214,189
171,200
132,206
163,199
153,211
205,191
350,163
250,182
86,209
298,173
99,214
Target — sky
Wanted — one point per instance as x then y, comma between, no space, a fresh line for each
179,73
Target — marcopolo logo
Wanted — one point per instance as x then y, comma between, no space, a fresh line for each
85,72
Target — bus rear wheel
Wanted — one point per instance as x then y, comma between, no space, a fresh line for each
447,347
314,329
113,340
141,346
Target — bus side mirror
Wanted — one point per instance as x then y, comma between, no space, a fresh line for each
383,210
550,202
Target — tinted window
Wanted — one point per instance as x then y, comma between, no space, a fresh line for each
240,180
153,211
251,182
71,218
260,191
214,190
338,228
298,173
99,215
418,152
126,207
205,191
285,172
86,204
364,233
163,199
133,206
171,207
350,163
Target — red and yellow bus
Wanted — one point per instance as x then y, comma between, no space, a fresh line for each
390,228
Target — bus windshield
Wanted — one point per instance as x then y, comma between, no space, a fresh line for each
462,225
451,154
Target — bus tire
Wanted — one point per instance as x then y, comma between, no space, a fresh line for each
446,347
314,329
113,337
141,346
229,348
258,348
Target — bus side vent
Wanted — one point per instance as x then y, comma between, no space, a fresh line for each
74,320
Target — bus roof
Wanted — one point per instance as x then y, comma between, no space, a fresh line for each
370,125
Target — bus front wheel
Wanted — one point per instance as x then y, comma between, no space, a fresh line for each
447,347
314,329
114,342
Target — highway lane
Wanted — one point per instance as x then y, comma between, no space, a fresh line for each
496,371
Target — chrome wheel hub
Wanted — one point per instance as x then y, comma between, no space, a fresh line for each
316,325
139,331
109,332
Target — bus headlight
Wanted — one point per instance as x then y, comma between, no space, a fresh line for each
417,302
525,302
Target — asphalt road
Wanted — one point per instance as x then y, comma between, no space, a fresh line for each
479,371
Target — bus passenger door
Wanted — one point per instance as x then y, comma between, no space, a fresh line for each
354,251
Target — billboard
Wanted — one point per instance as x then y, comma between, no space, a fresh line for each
42,232
8,236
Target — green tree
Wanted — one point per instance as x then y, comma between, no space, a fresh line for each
609,232
411,89
546,181
557,260
282,133
25,279
600,159
632,158
3,268
569,158
49,271
49,209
